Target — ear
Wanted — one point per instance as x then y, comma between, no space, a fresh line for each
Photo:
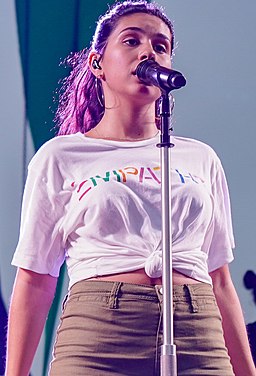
95,68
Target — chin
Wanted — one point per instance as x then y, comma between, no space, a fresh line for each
147,93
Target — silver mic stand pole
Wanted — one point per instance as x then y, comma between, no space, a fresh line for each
168,349
151,73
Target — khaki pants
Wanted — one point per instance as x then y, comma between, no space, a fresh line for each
113,328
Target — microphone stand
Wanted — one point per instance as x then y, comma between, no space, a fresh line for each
151,73
168,349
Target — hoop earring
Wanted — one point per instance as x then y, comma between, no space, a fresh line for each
99,92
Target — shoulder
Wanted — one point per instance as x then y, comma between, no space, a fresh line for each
196,149
193,144
59,144
56,149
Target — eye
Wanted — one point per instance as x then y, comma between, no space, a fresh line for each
132,42
160,48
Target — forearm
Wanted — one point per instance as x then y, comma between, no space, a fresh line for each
28,311
234,329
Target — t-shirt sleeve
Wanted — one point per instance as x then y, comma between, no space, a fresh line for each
220,238
41,247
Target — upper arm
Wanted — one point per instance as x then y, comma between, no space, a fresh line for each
221,277
43,282
223,286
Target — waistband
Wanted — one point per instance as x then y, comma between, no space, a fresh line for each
199,289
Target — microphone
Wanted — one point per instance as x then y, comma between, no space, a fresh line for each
151,73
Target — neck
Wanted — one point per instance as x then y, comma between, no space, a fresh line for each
129,124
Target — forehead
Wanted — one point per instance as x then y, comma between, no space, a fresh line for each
148,23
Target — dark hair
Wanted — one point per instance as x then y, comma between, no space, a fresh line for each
250,282
78,106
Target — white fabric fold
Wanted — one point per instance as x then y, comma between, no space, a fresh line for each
153,265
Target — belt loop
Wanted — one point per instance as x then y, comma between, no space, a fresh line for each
193,301
112,303
159,293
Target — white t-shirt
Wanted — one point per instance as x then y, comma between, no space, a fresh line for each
97,205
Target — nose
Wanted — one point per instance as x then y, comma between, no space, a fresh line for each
147,53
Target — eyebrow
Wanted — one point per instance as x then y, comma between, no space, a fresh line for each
135,28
